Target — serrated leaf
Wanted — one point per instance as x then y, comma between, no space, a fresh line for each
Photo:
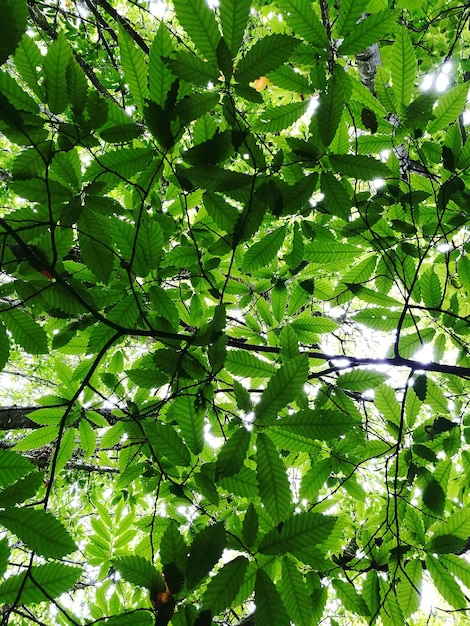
386,402
165,441
269,607
250,526
21,490
204,552
94,238
446,583
282,388
330,109
265,55
262,253
336,200
134,67
224,586
295,595
322,424
350,597
199,22
28,59
349,13
448,108
403,68
457,524
191,68
359,166
67,446
25,330
233,453
445,544
40,531
138,571
4,347
431,290
53,578
55,67
368,31
297,533
303,20
275,119
160,76
173,548
243,363
190,419
458,566
321,252
361,380
37,438
233,19
408,588
273,483
87,438
13,466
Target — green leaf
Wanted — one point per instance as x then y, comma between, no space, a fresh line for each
224,214
13,16
4,347
250,526
349,13
448,108
263,252
445,544
336,200
134,67
160,76
368,31
21,490
25,331
445,583
273,483
204,552
40,531
404,67
431,290
303,20
386,402
233,19
30,586
269,607
325,252
408,588
28,60
330,109
224,586
233,453
190,419
199,22
243,363
290,80
294,594
55,66
266,55
12,467
275,119
173,548
458,566
350,598
192,69
361,380
94,238
457,524
138,571
322,424
297,533
282,388
165,441
359,166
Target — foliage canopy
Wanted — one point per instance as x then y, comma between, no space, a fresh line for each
234,312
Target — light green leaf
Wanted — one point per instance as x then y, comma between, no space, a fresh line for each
165,441
233,453
262,253
265,55
325,252
173,548
350,597
445,583
28,59
386,402
404,68
25,330
408,588
55,66
134,67
53,578
224,586
301,17
275,119
199,22
190,419
297,533
40,531
160,76
322,424
95,238
368,31
273,483
336,198
37,438
458,566
359,166
234,18
295,595
448,108
361,380
224,214
243,363
12,467
282,388
87,437
349,13
269,607
138,571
